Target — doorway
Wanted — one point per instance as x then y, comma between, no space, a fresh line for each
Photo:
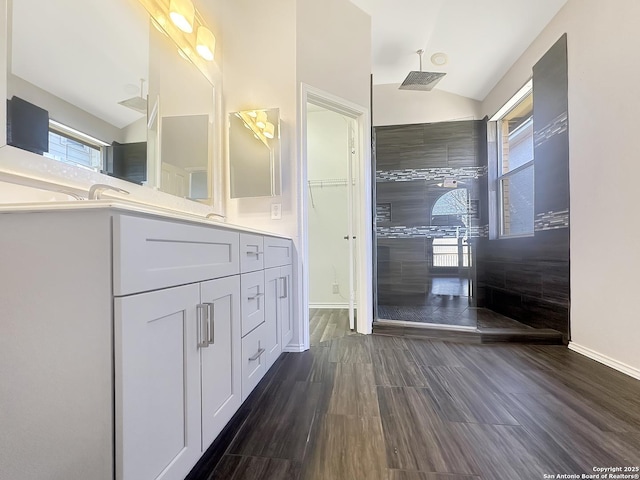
332,213
335,209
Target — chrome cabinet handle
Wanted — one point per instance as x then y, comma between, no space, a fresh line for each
203,319
212,323
257,254
285,287
257,355
257,295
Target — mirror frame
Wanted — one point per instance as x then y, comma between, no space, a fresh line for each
275,157
4,36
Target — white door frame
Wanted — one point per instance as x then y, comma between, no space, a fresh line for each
363,230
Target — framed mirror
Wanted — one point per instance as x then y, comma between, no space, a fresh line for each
100,86
254,153
182,120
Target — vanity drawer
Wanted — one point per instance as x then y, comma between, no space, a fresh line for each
251,252
254,360
277,252
150,254
252,298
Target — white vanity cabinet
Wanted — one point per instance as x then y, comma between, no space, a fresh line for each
132,357
278,260
267,323
177,349
251,252
220,360
158,384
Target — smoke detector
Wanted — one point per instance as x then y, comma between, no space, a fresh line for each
439,59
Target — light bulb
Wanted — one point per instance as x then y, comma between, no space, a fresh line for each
182,13
205,43
269,130
261,120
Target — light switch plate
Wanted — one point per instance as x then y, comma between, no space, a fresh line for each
276,211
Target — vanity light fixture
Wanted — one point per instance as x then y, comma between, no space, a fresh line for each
185,25
252,119
269,130
261,120
182,13
205,43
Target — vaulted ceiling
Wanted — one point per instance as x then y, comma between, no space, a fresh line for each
481,38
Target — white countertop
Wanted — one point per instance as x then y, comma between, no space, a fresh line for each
126,207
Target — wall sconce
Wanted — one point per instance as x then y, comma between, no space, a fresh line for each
182,13
258,123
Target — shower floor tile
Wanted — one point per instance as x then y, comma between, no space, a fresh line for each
454,313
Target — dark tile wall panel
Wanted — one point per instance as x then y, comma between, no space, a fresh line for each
528,278
552,175
436,152
515,274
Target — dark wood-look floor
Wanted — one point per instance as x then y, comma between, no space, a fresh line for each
394,408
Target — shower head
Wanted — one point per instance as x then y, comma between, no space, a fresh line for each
139,104
423,81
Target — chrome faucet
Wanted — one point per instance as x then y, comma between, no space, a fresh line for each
96,190
71,194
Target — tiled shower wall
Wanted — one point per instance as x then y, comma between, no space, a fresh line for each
411,160
528,278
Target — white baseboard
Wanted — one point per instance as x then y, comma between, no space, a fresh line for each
608,361
294,348
329,305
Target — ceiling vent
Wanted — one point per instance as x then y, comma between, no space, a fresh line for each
423,81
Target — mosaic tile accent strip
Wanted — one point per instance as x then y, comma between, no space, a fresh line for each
383,212
556,126
441,173
552,220
431,231
474,208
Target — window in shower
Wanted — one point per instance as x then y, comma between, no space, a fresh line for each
451,212
515,168
451,253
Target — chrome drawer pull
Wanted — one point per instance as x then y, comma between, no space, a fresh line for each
212,323
257,295
257,254
285,287
203,320
257,355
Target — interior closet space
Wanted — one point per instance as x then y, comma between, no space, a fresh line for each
332,200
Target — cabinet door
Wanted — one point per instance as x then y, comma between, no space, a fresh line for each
254,364
285,304
272,281
221,360
157,373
